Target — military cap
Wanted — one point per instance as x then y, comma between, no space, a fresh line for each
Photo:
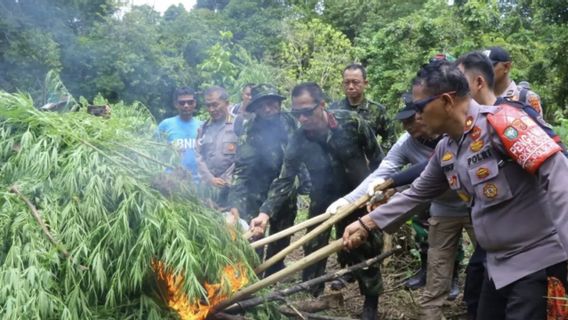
408,110
261,92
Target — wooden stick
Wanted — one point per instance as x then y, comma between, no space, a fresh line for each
278,294
248,234
293,229
299,265
341,213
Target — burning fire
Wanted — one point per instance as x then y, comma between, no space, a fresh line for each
235,278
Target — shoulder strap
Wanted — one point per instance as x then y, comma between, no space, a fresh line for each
523,94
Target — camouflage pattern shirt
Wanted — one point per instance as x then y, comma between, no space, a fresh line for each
260,154
337,161
375,114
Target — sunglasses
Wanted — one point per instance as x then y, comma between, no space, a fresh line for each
421,104
182,103
306,112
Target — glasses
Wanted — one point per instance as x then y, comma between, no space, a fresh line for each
421,104
306,112
182,103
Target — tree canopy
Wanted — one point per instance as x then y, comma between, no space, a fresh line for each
142,55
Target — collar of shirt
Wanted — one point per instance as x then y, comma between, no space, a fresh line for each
363,105
470,120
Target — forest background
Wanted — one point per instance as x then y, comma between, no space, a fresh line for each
141,55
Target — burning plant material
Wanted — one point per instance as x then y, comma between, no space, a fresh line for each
89,181
232,276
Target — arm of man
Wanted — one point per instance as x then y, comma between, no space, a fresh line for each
395,159
431,183
282,187
391,215
553,177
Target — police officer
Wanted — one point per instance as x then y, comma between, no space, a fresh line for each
510,172
339,150
448,214
260,154
478,71
216,147
354,85
504,85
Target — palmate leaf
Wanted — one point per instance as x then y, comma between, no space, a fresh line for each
92,181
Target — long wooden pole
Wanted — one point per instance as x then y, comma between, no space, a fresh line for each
341,213
299,265
293,229
275,295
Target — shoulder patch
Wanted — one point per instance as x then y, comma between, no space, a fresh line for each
525,141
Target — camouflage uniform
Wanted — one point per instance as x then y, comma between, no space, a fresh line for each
260,154
337,163
375,114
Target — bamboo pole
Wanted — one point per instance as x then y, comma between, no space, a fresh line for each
247,235
289,231
298,265
341,213
278,294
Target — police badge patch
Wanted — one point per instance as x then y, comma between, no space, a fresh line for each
511,133
490,190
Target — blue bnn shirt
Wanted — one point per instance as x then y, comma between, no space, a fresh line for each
183,137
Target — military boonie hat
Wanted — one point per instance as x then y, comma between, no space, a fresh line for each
261,92
497,54
408,110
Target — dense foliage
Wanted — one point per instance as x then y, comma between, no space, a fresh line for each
140,55
94,182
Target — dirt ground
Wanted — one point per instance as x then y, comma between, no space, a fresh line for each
396,302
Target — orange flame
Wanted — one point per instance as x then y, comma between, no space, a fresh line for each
234,277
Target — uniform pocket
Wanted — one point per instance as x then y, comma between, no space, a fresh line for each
490,187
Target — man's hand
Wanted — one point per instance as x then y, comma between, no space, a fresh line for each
218,182
258,224
355,234
336,205
233,216
373,184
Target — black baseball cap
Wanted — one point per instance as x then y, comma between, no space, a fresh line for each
497,54
408,110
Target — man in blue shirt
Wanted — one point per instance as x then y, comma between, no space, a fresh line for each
181,130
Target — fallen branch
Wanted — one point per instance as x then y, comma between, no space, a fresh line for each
39,220
313,316
341,214
276,295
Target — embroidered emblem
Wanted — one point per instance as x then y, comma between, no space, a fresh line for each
511,133
231,147
468,122
447,156
519,124
490,190
535,103
476,145
453,181
482,173
475,133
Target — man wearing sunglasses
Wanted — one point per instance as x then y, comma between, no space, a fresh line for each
504,85
511,174
339,150
354,85
181,131
260,154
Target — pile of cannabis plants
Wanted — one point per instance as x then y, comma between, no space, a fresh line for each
83,225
